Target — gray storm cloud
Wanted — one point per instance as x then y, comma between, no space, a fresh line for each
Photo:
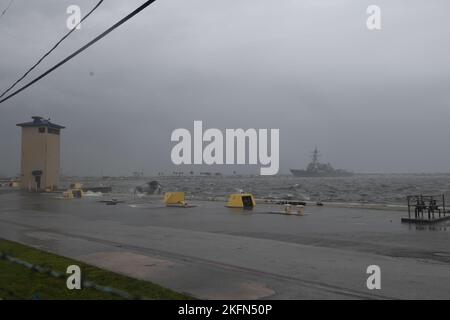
372,101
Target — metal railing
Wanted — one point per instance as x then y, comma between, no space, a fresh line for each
426,206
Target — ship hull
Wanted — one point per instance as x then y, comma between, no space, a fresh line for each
305,173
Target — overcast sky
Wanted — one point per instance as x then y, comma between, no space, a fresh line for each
372,101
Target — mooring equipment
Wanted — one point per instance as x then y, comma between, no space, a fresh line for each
426,209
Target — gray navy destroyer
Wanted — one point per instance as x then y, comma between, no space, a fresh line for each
318,169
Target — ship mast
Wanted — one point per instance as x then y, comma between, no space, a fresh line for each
315,156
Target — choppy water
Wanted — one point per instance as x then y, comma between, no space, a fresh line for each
386,189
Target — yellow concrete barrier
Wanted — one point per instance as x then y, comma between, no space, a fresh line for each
245,201
67,195
76,185
14,184
175,199
74,191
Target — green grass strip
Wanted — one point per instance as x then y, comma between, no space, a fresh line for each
18,282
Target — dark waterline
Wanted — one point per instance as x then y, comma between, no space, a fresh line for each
383,189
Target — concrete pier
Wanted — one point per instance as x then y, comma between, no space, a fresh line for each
214,252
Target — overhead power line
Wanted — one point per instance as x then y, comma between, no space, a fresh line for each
99,37
50,51
6,9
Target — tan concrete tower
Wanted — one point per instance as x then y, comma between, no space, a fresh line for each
40,154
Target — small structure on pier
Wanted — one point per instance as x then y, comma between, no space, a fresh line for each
426,209
40,154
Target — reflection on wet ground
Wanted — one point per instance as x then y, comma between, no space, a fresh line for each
214,252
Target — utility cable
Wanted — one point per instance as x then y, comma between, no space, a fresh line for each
99,37
50,51
6,9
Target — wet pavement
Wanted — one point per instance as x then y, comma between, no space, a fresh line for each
214,252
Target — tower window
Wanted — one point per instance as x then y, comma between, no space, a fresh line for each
42,130
53,131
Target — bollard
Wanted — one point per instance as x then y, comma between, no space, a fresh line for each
288,208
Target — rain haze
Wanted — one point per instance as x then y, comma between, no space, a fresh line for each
371,101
